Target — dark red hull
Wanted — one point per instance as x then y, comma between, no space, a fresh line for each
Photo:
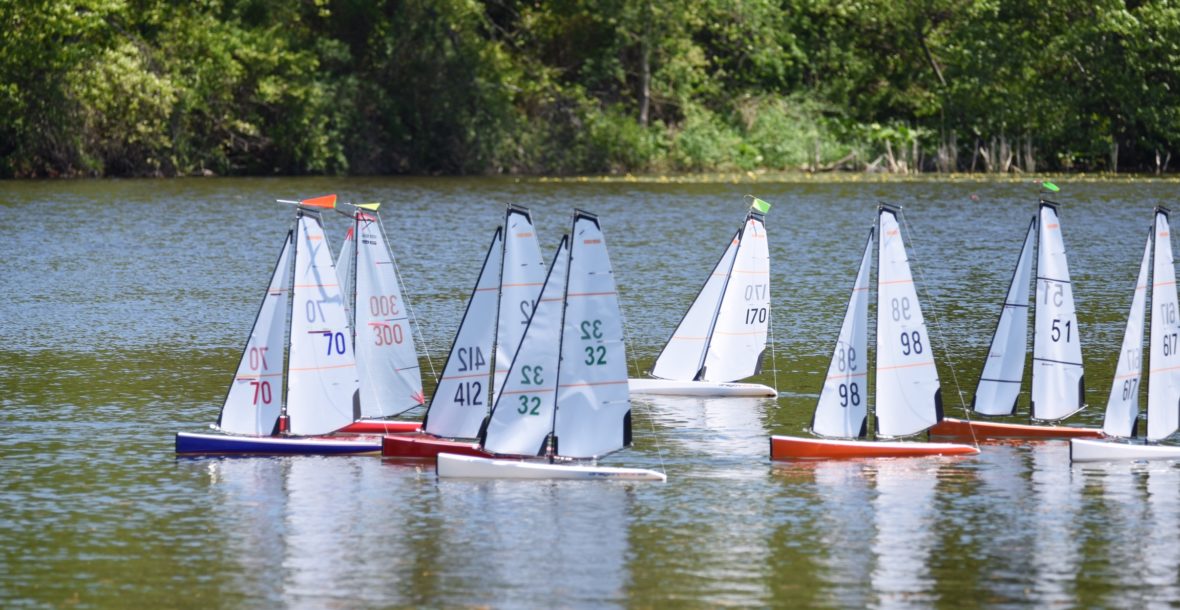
986,429
380,426
420,446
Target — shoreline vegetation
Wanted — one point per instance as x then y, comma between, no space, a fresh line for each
627,90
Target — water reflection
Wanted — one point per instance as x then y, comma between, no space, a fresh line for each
515,543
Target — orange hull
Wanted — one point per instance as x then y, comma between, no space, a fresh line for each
380,426
792,448
985,429
420,446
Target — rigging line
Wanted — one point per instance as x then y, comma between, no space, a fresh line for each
397,273
773,360
941,335
635,362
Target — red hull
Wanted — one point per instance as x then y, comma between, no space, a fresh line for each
986,429
790,448
426,447
380,426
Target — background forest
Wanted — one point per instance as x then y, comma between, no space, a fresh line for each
154,87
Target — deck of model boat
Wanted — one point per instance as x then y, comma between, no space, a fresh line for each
792,447
224,444
673,387
987,429
471,467
380,426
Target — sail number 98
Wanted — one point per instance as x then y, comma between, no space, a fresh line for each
849,394
911,343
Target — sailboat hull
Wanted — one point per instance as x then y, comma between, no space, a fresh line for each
698,388
985,429
469,467
380,426
223,444
791,447
1085,450
426,447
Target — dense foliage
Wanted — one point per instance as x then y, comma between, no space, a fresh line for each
135,87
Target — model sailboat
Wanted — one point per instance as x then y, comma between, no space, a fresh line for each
907,399
1058,390
497,313
303,315
723,335
1163,379
565,397
387,362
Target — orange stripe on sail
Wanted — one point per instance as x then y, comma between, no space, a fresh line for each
1052,226
259,376
846,375
323,368
1164,370
909,281
532,391
1171,283
684,338
445,377
1126,376
590,383
905,366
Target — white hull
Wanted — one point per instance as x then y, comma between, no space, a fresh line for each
468,467
673,387
1086,450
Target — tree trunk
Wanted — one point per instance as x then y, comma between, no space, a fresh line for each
645,68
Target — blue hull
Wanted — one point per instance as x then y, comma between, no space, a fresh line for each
223,444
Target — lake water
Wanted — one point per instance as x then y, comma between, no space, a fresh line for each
126,304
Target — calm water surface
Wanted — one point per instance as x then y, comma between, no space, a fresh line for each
127,302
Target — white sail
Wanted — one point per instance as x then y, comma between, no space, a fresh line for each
387,363
522,275
321,375
1163,378
254,400
522,417
843,401
344,272
1057,382
1003,371
739,335
461,401
907,397
684,354
1122,409
593,401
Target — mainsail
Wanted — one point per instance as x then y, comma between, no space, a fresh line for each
1163,378
390,379
907,394
321,374
1057,378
